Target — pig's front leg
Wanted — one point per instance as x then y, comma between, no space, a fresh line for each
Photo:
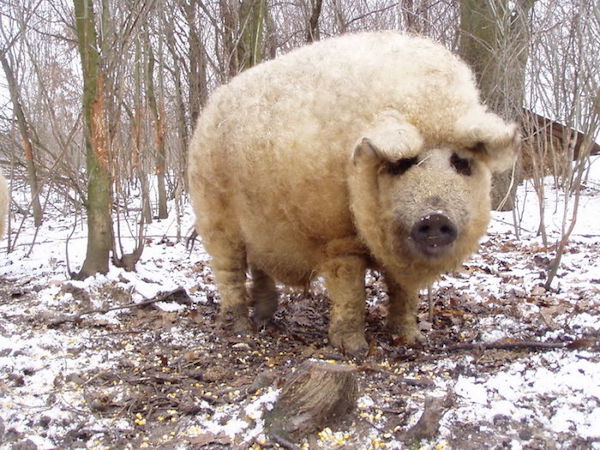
345,282
402,312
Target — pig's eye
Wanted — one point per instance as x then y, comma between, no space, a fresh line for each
479,147
461,165
401,166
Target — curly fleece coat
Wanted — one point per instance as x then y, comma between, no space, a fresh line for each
321,161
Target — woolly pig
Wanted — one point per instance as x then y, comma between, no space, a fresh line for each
4,204
367,150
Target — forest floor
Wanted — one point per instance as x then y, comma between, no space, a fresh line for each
135,359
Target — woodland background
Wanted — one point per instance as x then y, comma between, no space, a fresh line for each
98,98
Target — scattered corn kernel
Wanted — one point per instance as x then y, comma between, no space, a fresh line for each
377,443
194,430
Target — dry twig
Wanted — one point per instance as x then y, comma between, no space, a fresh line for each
166,296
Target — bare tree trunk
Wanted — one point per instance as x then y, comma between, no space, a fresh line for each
99,195
27,141
198,93
250,48
228,18
243,33
197,76
313,33
161,152
415,16
181,129
137,160
494,40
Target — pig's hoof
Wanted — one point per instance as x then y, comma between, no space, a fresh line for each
406,335
263,316
243,326
261,322
350,343
408,341
236,321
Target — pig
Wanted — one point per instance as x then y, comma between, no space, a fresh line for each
369,150
4,204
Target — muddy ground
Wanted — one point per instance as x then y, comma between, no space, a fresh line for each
82,367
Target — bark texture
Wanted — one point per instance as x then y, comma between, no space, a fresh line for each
318,395
99,195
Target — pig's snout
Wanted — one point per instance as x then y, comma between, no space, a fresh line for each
433,233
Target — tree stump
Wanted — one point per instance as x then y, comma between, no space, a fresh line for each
318,395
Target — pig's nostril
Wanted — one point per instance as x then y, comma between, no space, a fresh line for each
433,232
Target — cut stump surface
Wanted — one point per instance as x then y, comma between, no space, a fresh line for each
318,395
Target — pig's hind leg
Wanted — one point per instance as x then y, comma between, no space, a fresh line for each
229,266
264,296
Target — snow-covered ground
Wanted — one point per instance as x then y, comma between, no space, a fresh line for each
164,376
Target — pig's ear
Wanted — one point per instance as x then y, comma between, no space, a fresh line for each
490,139
365,152
389,140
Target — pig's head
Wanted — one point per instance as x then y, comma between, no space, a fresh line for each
421,203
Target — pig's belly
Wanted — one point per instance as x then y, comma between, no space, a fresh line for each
286,231
284,252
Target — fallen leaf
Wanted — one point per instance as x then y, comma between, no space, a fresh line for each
578,344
